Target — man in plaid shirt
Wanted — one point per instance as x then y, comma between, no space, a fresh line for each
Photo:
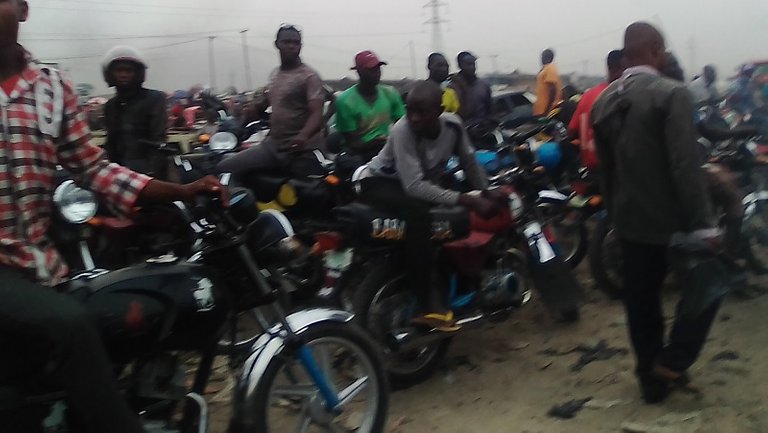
46,331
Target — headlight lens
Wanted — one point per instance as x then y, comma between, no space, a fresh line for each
75,204
223,142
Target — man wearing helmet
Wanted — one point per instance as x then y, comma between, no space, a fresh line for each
135,117
42,331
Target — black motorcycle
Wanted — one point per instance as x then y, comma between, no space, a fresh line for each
308,368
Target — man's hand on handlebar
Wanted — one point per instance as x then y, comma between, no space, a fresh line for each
208,185
482,206
496,195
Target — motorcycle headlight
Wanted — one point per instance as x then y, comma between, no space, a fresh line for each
75,204
223,142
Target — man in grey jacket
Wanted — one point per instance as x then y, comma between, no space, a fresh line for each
406,180
654,186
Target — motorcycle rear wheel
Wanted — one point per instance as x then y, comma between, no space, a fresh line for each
381,303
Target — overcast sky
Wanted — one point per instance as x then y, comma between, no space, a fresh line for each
173,34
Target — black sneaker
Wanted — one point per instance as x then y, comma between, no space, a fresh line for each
653,389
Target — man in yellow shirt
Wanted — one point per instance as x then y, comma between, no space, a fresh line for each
548,85
438,68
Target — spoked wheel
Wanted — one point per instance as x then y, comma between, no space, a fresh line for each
287,399
571,237
382,304
605,260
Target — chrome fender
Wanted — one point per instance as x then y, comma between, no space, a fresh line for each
270,345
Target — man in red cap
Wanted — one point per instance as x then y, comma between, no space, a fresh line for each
367,110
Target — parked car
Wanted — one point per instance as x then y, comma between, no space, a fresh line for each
512,107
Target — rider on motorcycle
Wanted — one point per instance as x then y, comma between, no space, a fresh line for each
47,334
366,111
405,179
135,117
295,93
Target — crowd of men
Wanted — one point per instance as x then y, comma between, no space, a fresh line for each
640,122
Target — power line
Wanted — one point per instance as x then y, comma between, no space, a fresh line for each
94,56
80,37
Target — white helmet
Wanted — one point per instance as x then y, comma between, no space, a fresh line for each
123,53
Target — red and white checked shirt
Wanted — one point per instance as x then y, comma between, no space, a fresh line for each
30,149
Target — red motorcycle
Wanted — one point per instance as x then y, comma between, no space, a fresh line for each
491,267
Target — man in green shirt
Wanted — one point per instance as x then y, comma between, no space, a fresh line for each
366,111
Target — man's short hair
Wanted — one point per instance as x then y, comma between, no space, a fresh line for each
615,59
432,57
549,52
287,28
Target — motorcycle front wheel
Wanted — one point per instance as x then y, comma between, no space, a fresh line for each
287,399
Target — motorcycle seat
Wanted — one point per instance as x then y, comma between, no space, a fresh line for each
265,186
470,253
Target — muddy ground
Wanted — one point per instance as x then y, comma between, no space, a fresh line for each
506,377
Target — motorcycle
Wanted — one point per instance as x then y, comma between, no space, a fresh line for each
314,365
492,267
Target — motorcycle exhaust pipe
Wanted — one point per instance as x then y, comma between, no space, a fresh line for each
408,339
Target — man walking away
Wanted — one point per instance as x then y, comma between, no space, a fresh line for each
654,187
549,86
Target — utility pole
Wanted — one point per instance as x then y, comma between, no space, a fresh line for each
246,60
212,63
413,60
495,63
692,47
435,21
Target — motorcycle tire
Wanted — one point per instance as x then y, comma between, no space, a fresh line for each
577,254
351,335
607,280
384,275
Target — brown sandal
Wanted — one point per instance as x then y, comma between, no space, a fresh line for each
676,380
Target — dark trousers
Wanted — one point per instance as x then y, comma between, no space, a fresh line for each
388,195
645,267
47,337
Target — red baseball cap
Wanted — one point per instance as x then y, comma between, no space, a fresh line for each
366,60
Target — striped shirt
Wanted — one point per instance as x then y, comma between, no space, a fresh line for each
41,128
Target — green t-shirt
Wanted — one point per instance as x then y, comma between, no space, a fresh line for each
369,121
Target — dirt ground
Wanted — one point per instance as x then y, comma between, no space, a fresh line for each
506,377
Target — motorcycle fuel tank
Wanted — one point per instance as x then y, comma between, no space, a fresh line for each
154,306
